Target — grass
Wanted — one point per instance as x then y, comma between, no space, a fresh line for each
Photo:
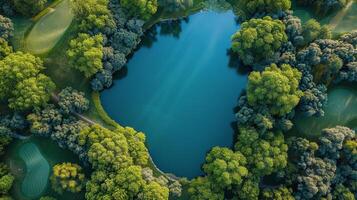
101,112
49,29
46,10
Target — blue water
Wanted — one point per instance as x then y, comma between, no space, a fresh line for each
181,93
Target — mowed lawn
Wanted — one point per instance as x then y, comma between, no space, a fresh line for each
49,29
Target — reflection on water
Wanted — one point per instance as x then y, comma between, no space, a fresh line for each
340,110
180,90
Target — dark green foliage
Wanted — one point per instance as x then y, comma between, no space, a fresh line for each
72,101
323,7
249,190
265,153
276,88
225,168
312,30
4,141
142,9
175,5
85,53
47,198
247,9
342,193
29,7
259,39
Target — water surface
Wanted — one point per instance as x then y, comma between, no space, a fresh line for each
181,92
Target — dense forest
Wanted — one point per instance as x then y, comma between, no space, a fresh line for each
292,64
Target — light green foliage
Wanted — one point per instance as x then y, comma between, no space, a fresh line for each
225,167
5,49
258,39
32,93
85,53
312,30
6,179
201,188
280,193
107,150
143,9
67,177
249,189
155,191
136,143
248,8
265,153
130,180
275,88
15,68
93,14
29,7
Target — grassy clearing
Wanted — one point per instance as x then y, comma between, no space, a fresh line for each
49,29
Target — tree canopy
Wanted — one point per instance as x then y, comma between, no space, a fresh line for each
67,177
259,39
249,8
29,7
276,88
85,53
143,9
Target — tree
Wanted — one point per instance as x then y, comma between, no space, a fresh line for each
72,101
6,179
265,154
29,7
275,88
248,8
143,9
93,15
6,28
312,30
47,198
5,49
15,68
4,141
85,53
202,188
280,193
155,191
258,39
225,168
67,177
32,93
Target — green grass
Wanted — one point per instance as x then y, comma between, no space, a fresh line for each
101,112
49,29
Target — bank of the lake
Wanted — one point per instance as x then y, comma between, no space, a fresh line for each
181,92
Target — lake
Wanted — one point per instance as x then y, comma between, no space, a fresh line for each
180,91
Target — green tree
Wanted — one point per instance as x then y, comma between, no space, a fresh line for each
32,93
225,168
15,68
5,49
85,53
280,193
265,154
47,198
155,191
143,9
258,39
202,188
248,8
67,177
312,30
29,7
6,179
276,88
93,14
